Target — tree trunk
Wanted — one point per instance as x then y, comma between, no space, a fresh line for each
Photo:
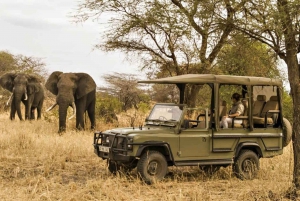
293,74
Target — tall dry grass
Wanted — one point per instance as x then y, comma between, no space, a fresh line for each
38,164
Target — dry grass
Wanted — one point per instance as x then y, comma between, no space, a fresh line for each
38,164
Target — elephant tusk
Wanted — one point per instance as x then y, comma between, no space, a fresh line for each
50,108
9,100
74,110
25,96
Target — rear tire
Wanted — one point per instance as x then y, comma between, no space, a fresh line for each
247,165
152,166
287,132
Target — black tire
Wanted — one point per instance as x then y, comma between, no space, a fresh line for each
287,132
152,166
114,167
247,165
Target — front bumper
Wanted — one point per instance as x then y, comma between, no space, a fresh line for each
115,150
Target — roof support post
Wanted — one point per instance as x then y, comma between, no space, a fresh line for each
181,88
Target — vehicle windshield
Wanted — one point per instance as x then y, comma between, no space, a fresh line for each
165,113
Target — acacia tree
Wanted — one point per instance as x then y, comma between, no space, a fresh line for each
276,24
125,88
176,37
247,57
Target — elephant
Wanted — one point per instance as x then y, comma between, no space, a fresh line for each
26,88
77,90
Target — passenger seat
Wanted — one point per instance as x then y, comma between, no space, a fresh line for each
222,108
259,105
268,112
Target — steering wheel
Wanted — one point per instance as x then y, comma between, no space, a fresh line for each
162,118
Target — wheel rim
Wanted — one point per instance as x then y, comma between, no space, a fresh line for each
248,166
153,168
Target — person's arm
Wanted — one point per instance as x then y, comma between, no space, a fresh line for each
234,115
239,111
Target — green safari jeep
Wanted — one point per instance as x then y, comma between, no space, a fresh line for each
178,135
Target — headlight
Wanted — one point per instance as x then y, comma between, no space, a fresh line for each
129,143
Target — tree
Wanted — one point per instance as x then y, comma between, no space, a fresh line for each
247,57
176,37
276,24
125,88
7,62
20,63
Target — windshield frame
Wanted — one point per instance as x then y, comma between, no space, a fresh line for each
168,114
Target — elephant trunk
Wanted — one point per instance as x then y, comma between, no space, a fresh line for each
62,111
74,110
17,103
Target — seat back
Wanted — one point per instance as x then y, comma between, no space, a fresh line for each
222,108
246,105
259,105
271,104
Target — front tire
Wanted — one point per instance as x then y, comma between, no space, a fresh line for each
152,166
114,167
247,165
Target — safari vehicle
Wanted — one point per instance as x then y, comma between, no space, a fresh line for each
177,135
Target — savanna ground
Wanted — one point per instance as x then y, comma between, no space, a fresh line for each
38,164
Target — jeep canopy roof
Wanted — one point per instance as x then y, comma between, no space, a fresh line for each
210,78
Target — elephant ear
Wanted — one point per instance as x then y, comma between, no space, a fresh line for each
7,81
51,83
32,78
85,84
33,88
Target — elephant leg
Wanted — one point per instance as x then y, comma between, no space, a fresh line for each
32,115
39,109
12,112
91,114
80,109
27,109
39,112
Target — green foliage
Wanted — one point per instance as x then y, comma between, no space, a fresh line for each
247,57
144,107
21,63
7,62
107,107
287,106
125,88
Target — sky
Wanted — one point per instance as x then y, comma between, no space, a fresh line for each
44,29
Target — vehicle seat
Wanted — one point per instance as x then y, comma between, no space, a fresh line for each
259,105
222,108
271,104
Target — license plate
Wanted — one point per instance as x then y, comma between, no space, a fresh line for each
104,149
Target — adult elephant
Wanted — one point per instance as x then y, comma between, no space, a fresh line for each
77,90
25,88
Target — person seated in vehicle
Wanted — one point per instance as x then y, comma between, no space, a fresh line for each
236,110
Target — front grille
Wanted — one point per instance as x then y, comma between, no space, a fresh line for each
116,141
